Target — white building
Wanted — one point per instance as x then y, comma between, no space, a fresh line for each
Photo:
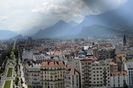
32,74
93,74
129,68
39,58
100,74
117,79
72,79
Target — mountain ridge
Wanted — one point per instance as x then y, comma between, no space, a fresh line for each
6,34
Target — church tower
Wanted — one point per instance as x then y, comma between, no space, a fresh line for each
124,41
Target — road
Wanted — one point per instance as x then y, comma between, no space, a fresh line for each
4,77
12,63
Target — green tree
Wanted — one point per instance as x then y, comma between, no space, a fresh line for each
16,80
8,53
16,52
125,84
40,87
22,81
29,86
16,68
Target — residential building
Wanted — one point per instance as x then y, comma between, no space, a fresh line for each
72,79
52,74
93,73
129,68
32,74
100,74
113,67
117,79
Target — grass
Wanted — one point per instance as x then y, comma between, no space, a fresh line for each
29,86
7,84
12,57
9,74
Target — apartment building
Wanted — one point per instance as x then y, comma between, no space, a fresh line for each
32,74
72,79
113,67
93,73
100,74
129,68
52,74
49,74
117,79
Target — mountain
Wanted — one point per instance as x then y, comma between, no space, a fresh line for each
115,18
73,23
5,34
19,37
59,30
96,31
116,21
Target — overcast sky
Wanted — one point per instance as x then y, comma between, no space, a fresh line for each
22,15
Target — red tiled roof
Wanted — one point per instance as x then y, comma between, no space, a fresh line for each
118,60
86,60
120,73
68,66
52,64
112,63
44,63
61,63
73,71
26,65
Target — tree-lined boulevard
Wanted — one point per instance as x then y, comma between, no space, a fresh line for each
12,71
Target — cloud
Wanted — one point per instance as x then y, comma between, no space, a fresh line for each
28,14
103,5
2,19
73,9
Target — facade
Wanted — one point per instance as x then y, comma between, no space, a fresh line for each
85,73
93,73
129,68
32,75
83,66
117,79
100,74
113,67
52,74
49,74
72,79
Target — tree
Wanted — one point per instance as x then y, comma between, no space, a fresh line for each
16,68
125,84
8,53
40,87
29,86
16,80
22,81
16,52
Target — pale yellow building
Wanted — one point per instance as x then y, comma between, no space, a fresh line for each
52,74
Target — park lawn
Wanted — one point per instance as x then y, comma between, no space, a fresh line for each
9,74
7,84
12,57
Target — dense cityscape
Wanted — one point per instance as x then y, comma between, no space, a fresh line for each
66,44
76,63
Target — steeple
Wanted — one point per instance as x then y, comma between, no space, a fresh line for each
124,40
